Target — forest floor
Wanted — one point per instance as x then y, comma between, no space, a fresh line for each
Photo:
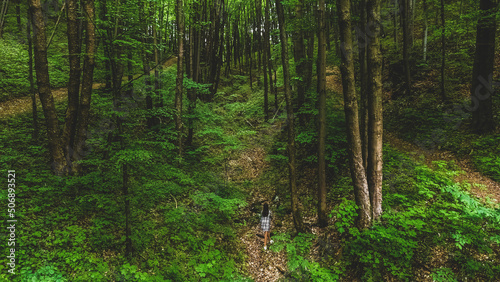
252,164
249,166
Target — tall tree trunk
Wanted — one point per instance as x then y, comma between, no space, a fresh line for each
297,217
322,218
87,79
395,12
267,23
258,24
426,28
406,45
358,175
482,89
443,50
58,165
300,58
180,75
18,16
375,126
30,78
363,113
74,48
266,89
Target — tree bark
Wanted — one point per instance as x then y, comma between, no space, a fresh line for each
322,218
375,126
87,80
30,78
426,28
180,76
358,175
300,59
482,89
363,113
406,45
443,51
58,162
74,48
297,217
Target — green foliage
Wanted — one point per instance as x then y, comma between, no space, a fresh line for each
486,152
299,266
45,274
345,214
443,275
13,70
423,208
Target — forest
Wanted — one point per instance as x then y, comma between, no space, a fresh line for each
147,140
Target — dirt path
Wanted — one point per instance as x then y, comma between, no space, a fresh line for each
22,105
249,165
486,188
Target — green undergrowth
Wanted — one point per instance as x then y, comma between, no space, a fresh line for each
300,266
14,67
424,211
432,126
183,217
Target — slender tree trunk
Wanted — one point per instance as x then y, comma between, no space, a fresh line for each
406,45
18,16
74,48
375,126
258,24
426,28
396,11
443,50
363,114
180,76
266,91
482,89
58,161
300,59
87,79
322,218
158,97
30,78
361,191
297,217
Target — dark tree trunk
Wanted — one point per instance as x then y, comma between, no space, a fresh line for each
375,128
406,45
322,217
443,50
300,59
74,48
482,89
426,29
358,175
18,16
59,165
87,79
363,113
180,76
297,217
30,78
